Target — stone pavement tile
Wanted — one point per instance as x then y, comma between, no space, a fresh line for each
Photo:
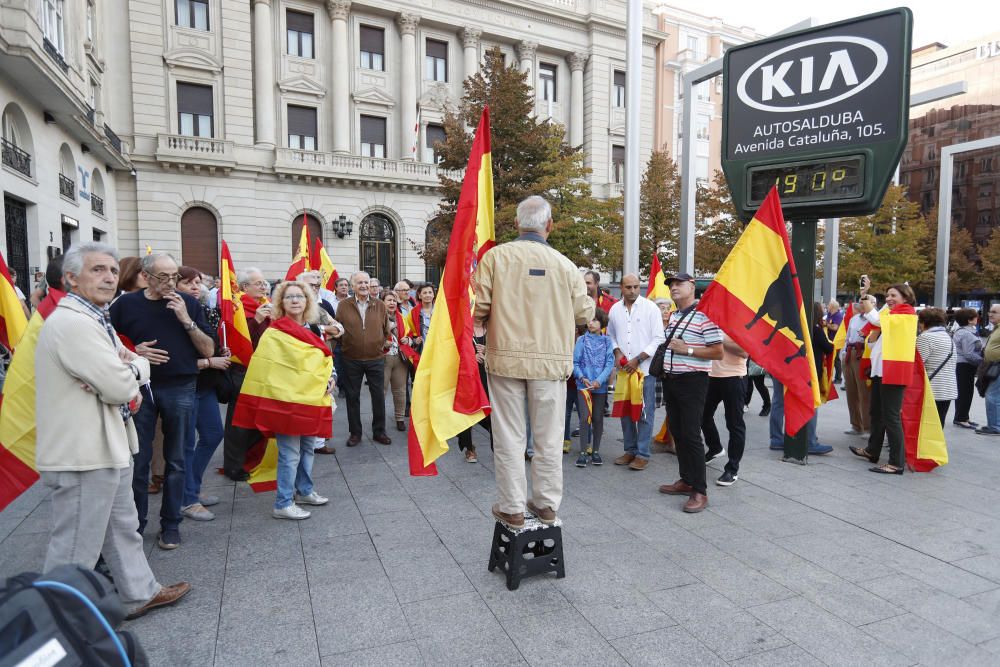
535,595
22,553
583,590
987,566
730,632
993,646
828,638
926,643
407,530
988,602
37,522
647,569
841,555
378,498
402,654
21,508
318,546
787,656
666,648
459,630
943,576
957,616
417,577
342,627
628,614
560,637
733,579
467,540
366,587
263,593
178,635
368,473
284,638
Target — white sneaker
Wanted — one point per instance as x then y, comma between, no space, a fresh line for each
197,512
208,501
293,511
312,499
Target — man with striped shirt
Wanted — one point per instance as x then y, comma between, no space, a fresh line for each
695,341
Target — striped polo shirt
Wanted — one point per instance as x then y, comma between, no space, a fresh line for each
696,330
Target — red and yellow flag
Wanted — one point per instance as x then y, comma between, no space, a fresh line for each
899,344
12,319
320,261
922,433
448,395
656,289
755,298
300,263
233,328
827,387
840,339
628,395
17,409
284,390
262,465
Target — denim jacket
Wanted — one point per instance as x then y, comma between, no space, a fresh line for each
593,359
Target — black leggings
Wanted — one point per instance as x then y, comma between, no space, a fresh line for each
757,381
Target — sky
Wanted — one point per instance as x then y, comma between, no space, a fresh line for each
950,22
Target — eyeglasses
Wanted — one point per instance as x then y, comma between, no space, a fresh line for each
315,287
294,297
258,283
165,277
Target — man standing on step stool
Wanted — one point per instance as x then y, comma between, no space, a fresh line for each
530,298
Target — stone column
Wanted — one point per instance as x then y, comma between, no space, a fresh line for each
263,73
526,54
341,93
408,77
577,63
470,42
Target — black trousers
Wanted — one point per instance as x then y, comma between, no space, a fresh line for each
942,408
355,372
728,391
966,375
887,403
757,381
684,394
837,370
238,441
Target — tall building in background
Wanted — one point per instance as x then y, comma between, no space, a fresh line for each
691,41
974,115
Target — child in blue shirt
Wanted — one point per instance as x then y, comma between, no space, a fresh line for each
593,361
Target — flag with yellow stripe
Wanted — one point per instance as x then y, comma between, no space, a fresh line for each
233,327
657,288
12,319
923,436
899,343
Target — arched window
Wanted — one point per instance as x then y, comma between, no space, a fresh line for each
97,201
378,248
17,144
315,230
200,240
67,173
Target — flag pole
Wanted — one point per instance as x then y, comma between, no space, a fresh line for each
803,242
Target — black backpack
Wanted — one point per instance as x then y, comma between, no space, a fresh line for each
45,620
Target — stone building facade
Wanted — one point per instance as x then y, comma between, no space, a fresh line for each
249,118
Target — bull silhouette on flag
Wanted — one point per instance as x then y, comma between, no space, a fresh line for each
756,299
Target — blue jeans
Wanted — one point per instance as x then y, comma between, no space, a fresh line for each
993,405
295,464
206,423
777,419
638,434
173,404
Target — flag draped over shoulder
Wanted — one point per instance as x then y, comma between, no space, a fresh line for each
923,436
12,319
755,298
628,395
300,263
320,261
656,289
284,390
17,409
899,344
233,327
448,395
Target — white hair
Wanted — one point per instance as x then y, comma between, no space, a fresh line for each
533,214
358,273
73,259
149,261
302,277
243,276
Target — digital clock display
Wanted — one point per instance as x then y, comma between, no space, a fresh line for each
838,178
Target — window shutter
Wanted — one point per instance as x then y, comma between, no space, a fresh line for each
436,49
194,99
299,21
372,40
302,121
373,130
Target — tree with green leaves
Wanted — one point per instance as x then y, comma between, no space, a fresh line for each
989,257
659,212
719,226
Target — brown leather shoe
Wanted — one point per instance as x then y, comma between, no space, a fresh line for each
624,459
325,449
512,520
354,440
678,488
400,426
167,596
544,514
382,439
696,503
638,463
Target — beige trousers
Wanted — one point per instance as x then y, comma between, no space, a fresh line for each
546,412
858,392
396,375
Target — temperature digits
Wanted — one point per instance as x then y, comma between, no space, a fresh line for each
839,178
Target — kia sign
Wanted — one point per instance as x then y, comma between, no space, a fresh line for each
820,113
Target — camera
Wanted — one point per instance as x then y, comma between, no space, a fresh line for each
861,281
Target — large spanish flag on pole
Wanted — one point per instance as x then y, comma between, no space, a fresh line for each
320,261
657,289
756,299
17,410
448,395
923,436
12,319
234,331
300,263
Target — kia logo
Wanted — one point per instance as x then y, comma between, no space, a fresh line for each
826,70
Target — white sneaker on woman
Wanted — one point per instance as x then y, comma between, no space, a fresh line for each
312,499
293,511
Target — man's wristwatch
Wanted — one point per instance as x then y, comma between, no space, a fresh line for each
191,327
690,352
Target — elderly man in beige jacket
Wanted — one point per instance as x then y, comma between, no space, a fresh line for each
87,388
531,298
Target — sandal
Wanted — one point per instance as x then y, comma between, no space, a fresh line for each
863,453
887,469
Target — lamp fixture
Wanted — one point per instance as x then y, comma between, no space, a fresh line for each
342,226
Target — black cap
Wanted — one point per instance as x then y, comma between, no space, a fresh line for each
680,277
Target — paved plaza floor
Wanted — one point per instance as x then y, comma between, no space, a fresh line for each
822,564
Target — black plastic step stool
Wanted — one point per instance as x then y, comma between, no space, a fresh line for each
525,552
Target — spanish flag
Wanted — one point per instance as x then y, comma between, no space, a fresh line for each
657,288
923,436
149,249
899,344
300,263
448,395
628,395
262,464
12,319
233,328
284,390
840,339
17,409
320,261
755,298
827,387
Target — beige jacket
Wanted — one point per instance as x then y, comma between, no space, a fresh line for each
79,429
531,298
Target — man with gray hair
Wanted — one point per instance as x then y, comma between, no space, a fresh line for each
531,298
88,390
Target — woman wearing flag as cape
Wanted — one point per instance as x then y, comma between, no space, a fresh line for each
287,394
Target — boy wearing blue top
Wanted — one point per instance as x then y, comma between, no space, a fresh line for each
593,361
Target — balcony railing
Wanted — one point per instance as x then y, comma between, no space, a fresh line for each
67,188
96,204
195,145
16,159
91,115
195,152
116,143
53,52
336,165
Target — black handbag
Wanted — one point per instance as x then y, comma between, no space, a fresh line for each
656,365
988,372
225,387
